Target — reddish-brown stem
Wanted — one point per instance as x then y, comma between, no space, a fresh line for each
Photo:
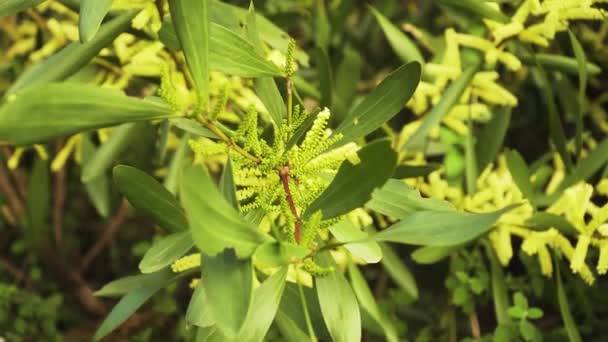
284,174
111,230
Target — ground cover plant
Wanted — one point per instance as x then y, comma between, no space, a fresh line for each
303,170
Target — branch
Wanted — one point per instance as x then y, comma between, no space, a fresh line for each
284,174
111,230
9,192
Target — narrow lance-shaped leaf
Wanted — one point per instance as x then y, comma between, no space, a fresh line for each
581,59
165,251
389,97
520,173
564,307
491,137
403,46
562,63
449,98
102,159
207,210
398,271
43,112
10,7
440,228
150,197
368,303
98,189
126,284
228,53
499,288
482,9
191,20
396,199
73,57
338,304
353,184
227,186
356,241
92,13
265,87
266,301
228,284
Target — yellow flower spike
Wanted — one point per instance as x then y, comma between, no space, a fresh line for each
544,259
532,244
41,151
194,283
452,53
501,240
599,218
582,14
534,38
580,253
65,152
13,161
602,187
474,42
507,31
186,263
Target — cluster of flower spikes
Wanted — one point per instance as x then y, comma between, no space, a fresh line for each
499,190
534,21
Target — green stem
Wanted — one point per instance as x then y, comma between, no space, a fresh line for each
213,128
311,331
289,100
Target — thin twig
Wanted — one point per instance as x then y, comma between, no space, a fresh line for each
13,269
213,127
111,230
284,174
474,322
59,201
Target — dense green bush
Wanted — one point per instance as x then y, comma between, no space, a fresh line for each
303,170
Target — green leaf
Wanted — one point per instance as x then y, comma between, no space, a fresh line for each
432,254
520,173
535,313
325,76
234,55
368,303
127,284
128,305
290,329
266,301
356,241
92,13
105,155
275,253
440,228
98,189
527,329
265,87
10,7
48,111
338,304
564,307
543,220
321,26
581,59
561,63
499,288
403,46
150,197
415,171
491,137
353,184
227,187
207,210
481,9
192,25
193,127
176,166
348,76
398,271
587,166
396,199
450,97
384,102
228,284
72,58
165,251
199,311
556,128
